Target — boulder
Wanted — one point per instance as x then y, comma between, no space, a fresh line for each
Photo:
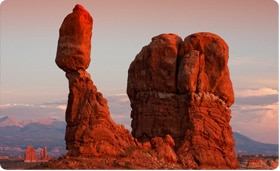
74,43
164,148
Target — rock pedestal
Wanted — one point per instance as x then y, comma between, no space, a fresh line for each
90,131
183,88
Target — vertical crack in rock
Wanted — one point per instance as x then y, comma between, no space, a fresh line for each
183,88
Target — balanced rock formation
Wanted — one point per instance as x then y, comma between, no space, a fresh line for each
90,131
183,89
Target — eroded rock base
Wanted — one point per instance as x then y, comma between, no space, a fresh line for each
90,130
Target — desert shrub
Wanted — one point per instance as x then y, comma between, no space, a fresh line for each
130,149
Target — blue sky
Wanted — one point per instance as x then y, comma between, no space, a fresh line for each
29,34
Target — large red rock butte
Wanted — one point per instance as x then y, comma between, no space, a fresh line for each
90,131
183,88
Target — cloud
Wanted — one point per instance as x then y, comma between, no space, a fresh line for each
33,111
257,100
118,98
123,119
255,114
4,106
62,107
119,106
250,61
255,92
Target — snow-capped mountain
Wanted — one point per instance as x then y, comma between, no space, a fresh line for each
12,121
50,133
15,134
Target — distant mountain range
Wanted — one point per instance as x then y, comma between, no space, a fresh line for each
16,135
245,145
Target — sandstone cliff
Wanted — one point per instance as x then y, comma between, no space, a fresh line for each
183,88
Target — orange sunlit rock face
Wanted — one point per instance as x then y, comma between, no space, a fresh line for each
74,44
183,88
211,74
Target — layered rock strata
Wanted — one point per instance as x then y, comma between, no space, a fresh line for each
90,131
183,88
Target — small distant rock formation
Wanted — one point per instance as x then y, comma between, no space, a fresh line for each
30,155
253,163
258,161
183,89
90,131
44,155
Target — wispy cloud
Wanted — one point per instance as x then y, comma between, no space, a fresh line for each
255,113
3,106
119,106
256,92
119,98
33,111
62,107
256,100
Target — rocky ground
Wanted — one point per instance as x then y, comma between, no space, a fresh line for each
258,162
132,159
16,164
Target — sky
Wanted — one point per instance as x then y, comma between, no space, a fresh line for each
32,86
